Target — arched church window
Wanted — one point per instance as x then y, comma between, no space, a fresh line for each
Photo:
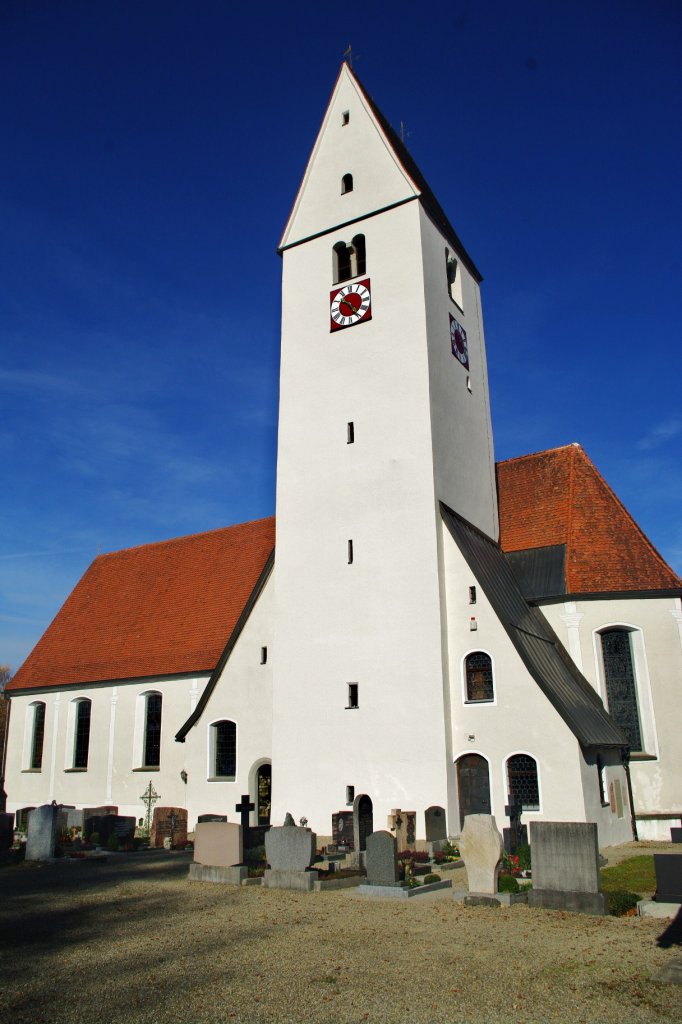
621,685
346,184
81,744
522,780
479,677
152,730
224,750
37,735
349,260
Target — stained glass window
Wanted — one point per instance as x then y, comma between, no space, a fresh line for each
621,688
225,739
479,673
152,732
522,776
38,736
82,734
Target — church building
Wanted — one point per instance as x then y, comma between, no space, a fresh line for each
418,627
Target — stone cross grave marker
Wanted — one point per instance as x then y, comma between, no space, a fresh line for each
404,823
382,859
149,798
481,847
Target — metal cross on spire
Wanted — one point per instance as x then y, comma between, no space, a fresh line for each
348,54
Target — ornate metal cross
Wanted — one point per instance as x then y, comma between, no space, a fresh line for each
149,798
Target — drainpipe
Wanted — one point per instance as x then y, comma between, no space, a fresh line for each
625,756
3,794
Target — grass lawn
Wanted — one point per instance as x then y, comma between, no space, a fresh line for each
636,875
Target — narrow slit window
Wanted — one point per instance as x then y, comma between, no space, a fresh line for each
82,734
38,737
350,795
353,696
345,118
472,595
263,655
152,730
350,552
346,184
350,432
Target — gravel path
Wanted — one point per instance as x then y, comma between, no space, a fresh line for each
133,940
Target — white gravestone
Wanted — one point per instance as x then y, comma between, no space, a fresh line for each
481,848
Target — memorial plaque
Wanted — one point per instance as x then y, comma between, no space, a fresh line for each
342,829
169,823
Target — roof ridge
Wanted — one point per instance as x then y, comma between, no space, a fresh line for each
614,497
544,451
569,517
184,537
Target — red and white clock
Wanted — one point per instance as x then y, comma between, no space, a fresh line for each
350,305
458,342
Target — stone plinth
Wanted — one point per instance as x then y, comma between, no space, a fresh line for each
283,879
481,848
218,875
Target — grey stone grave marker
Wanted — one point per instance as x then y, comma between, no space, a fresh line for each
289,850
566,867
42,832
382,859
436,824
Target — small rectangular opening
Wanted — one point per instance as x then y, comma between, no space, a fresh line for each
345,117
472,595
263,655
350,552
350,795
350,432
352,696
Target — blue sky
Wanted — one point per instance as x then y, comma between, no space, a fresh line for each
151,152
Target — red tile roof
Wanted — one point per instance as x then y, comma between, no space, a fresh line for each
156,610
559,497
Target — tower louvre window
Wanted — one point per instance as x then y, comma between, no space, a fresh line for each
345,118
350,432
263,655
349,260
346,184
350,552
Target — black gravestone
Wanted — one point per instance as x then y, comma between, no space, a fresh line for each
108,825
676,835
342,830
6,830
668,867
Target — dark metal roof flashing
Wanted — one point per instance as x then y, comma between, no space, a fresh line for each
540,572
538,646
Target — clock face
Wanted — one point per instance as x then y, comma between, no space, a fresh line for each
350,305
458,342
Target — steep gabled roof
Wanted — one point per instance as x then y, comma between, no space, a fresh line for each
558,497
157,610
539,647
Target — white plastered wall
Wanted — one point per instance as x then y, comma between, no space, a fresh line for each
519,720
657,655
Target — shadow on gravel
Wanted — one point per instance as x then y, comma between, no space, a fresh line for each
672,936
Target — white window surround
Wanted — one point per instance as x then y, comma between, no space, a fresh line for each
140,727
210,752
463,680
505,776
642,681
29,730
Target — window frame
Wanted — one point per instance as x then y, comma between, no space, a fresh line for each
213,753
77,753
472,702
507,780
645,709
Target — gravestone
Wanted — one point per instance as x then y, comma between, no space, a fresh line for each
404,824
211,817
481,848
169,823
6,830
218,853
363,821
436,825
108,825
42,832
668,868
342,830
22,816
75,818
289,850
566,867
676,835
99,812
382,859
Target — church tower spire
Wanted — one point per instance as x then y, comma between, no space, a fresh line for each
383,414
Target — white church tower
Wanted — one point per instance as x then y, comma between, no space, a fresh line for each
383,413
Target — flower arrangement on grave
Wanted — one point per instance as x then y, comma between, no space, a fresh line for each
447,854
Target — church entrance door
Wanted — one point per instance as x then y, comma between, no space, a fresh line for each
473,784
264,793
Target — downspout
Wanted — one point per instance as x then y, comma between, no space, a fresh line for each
3,794
625,756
